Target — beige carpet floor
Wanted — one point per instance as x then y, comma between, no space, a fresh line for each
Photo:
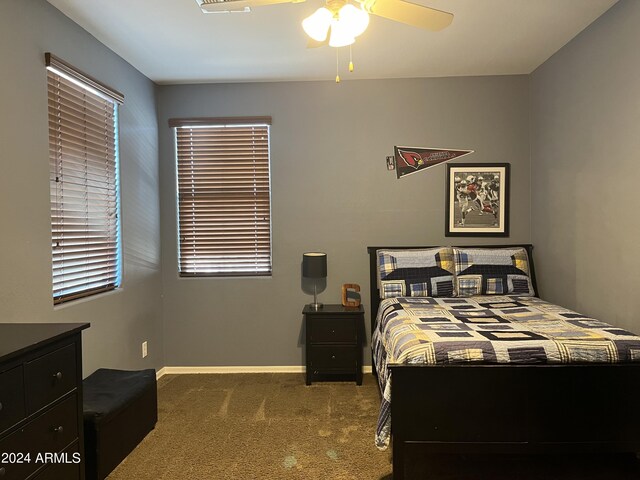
272,426
259,426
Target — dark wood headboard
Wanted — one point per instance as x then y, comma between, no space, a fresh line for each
373,266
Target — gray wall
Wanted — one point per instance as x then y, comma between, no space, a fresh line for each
331,192
585,118
576,118
120,320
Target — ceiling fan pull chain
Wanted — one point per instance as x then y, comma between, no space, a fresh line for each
337,66
350,59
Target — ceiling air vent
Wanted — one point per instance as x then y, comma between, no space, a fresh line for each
224,6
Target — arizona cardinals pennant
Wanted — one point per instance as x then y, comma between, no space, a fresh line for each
413,159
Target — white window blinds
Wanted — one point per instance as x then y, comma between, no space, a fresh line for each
224,205
83,157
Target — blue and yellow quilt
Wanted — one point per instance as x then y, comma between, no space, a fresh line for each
488,329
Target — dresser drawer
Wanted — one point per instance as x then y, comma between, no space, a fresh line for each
332,330
333,358
66,468
49,377
11,398
50,432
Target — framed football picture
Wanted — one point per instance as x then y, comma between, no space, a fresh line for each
477,200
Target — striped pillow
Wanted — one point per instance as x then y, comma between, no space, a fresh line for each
492,271
416,273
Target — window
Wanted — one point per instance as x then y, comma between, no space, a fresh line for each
83,159
224,205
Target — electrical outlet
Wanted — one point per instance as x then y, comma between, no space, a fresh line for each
144,349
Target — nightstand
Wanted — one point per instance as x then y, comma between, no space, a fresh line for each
334,341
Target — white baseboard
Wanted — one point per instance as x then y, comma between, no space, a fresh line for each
239,369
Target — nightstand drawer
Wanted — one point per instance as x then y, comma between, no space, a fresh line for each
50,377
333,342
333,330
11,398
333,358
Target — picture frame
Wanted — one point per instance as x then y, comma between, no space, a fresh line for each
477,202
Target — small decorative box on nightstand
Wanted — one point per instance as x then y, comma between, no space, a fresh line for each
334,341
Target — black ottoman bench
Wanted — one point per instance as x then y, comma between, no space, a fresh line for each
120,408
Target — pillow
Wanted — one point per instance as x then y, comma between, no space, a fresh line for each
492,271
416,273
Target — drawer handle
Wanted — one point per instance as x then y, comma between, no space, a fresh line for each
333,357
58,376
333,331
0,406
59,429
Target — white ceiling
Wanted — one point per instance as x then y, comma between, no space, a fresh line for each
172,41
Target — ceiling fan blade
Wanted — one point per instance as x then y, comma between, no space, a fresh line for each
223,6
311,43
409,13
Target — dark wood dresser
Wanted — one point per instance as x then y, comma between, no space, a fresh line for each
41,401
334,337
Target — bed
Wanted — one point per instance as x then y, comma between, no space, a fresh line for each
515,388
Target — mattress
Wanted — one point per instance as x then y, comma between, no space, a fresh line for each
488,329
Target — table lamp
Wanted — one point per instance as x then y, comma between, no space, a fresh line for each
314,265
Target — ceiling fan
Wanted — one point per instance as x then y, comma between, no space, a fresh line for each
339,22
329,16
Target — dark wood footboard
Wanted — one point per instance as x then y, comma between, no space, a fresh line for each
514,409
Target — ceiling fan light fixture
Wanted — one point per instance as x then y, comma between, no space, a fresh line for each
355,19
341,36
317,25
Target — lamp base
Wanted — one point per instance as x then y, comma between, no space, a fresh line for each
315,306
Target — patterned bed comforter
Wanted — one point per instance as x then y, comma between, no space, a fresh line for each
487,329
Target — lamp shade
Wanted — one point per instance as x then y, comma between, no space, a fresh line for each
314,265
317,25
355,19
340,34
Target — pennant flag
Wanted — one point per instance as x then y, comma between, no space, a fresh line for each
413,159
